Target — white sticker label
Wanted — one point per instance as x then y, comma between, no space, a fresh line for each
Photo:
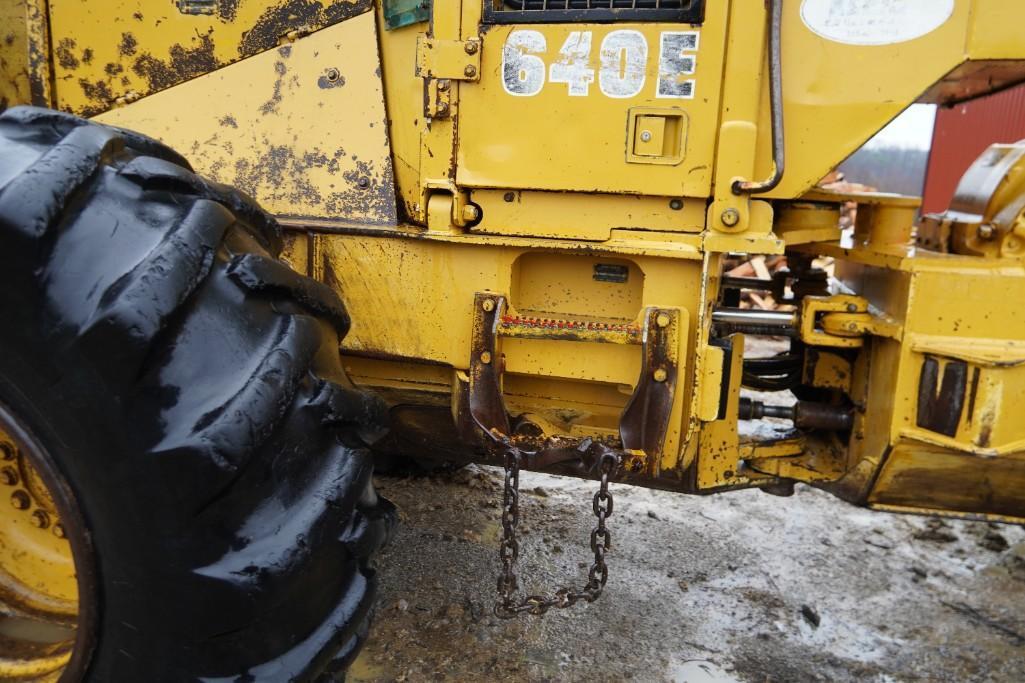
875,22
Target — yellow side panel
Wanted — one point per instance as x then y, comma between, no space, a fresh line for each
838,95
563,139
404,94
14,84
106,49
301,128
24,46
996,29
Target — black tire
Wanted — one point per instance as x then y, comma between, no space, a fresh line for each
188,386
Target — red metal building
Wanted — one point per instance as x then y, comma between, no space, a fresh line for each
962,133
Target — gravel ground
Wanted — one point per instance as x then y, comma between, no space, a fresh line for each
737,587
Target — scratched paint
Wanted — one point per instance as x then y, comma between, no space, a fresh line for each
301,149
106,51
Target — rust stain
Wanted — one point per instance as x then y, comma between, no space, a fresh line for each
227,9
271,106
332,79
39,70
184,63
295,15
128,45
65,52
188,60
363,193
98,92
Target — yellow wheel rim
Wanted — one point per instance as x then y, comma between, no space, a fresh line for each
39,588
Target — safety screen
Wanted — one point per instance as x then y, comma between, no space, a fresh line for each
592,11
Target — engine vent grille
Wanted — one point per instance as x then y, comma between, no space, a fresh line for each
591,11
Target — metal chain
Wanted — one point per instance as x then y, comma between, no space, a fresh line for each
506,607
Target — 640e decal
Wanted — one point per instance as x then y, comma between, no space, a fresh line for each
622,64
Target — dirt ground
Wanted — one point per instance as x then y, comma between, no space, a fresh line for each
738,587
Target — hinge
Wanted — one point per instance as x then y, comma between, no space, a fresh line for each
439,63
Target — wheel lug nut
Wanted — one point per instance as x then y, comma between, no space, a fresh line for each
40,519
20,500
6,451
58,530
8,476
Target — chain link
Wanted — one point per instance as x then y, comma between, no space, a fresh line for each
509,551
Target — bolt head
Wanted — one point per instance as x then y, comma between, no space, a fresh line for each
363,183
444,84
986,232
471,47
485,357
9,476
40,519
470,71
852,308
20,500
663,320
676,204
661,375
442,107
488,305
730,218
470,213
646,136
333,74
509,196
58,530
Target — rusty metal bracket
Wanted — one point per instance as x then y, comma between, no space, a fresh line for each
442,63
454,60
645,420
843,321
486,405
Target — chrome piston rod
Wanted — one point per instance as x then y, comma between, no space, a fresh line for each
756,322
